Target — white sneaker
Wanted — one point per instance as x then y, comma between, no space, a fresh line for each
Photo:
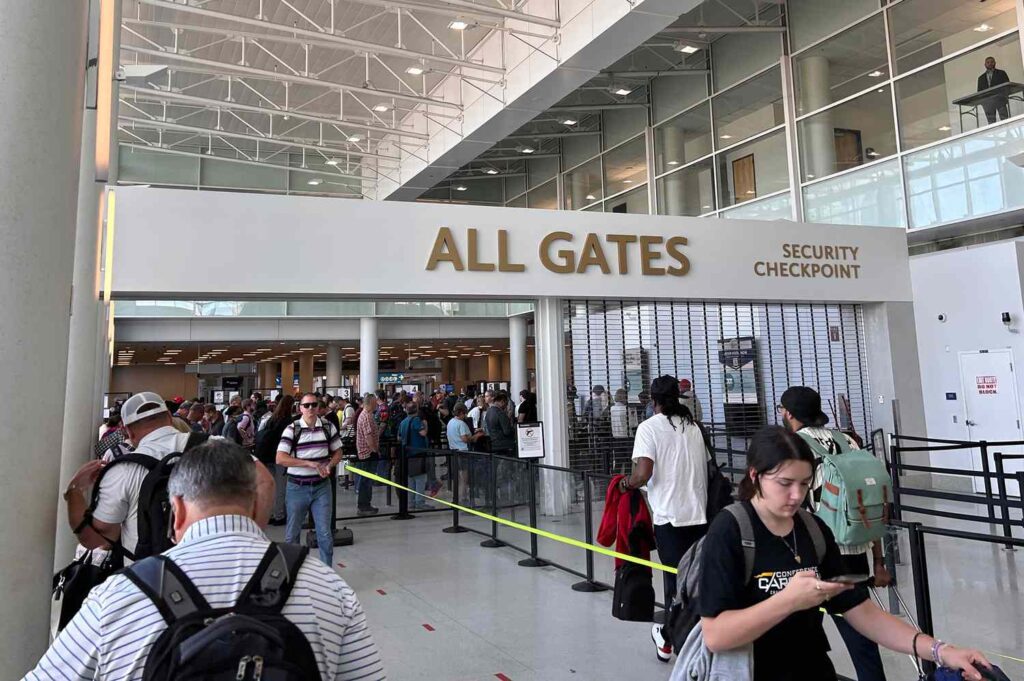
662,648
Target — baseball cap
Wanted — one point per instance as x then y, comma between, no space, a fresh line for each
142,405
805,405
684,384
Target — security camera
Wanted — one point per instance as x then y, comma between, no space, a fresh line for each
1006,318
942,317
119,75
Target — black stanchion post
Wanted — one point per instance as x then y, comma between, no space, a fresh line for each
922,593
1004,510
390,461
897,470
492,486
403,480
588,585
453,474
985,468
533,560
892,542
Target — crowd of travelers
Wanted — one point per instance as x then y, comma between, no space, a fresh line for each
179,494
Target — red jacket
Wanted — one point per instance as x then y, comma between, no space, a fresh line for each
632,530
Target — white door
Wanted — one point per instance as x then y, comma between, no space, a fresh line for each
991,411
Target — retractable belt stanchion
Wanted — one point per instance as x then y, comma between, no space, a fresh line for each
493,542
453,477
922,592
533,560
1004,510
588,585
403,480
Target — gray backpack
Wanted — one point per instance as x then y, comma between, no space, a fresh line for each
685,612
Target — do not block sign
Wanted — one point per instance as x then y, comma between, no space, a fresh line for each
987,385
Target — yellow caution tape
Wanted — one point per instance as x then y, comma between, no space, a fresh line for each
556,537
519,526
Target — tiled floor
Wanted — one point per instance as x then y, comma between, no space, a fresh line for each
488,618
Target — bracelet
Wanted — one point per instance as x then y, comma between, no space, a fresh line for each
936,644
913,645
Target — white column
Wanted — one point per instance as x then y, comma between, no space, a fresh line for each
819,146
333,365
368,355
551,387
517,355
42,49
80,422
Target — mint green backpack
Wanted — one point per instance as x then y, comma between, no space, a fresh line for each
855,489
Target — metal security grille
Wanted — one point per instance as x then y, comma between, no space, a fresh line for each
739,358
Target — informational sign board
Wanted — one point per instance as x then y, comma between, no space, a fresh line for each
987,385
274,394
218,397
530,440
410,388
344,393
390,378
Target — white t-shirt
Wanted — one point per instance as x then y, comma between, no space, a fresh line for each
677,491
476,414
119,489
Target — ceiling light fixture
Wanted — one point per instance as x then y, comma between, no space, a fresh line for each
331,162
570,121
461,187
725,137
685,48
491,171
982,28
458,25
876,74
314,182
673,163
527,150
622,91
590,197
354,138
415,70
381,108
945,128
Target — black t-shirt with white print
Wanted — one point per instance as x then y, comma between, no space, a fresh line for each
796,649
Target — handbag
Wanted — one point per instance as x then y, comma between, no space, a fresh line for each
72,585
633,599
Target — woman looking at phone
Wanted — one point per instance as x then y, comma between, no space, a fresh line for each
776,609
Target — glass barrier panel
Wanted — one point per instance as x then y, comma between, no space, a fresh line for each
779,207
871,196
689,192
847,135
752,169
926,30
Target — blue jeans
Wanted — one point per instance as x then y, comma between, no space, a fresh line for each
317,499
364,487
417,483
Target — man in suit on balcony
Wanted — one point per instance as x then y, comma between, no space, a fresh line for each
998,103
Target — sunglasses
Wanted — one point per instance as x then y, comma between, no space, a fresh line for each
308,405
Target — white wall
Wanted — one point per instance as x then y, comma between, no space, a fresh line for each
972,286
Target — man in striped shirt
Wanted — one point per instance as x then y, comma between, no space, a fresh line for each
310,448
219,546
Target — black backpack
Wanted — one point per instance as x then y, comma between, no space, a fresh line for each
719,487
246,642
230,431
154,514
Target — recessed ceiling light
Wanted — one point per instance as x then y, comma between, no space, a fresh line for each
262,349
881,89
458,25
749,191
876,74
331,162
810,176
314,182
381,108
570,121
415,70
354,138
685,48
622,91
461,187
673,163
590,197
725,137
627,182
491,171
982,28
527,150
945,128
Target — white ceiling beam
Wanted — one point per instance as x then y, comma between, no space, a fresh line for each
322,38
691,30
213,104
463,9
178,152
275,140
226,68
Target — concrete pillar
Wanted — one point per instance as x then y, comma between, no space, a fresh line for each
42,48
333,366
368,355
517,355
819,146
287,376
101,363
551,387
448,370
462,372
672,188
268,377
494,366
306,372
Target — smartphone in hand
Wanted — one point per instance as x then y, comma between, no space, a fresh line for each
853,579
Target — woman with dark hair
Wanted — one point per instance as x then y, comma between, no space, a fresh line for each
670,458
776,606
527,412
267,440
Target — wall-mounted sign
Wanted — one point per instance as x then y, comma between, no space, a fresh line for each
987,385
390,378
951,396
530,440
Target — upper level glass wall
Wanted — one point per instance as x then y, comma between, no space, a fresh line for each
747,109
682,139
625,166
735,56
315,308
924,31
812,20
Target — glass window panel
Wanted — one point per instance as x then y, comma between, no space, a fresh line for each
541,170
926,98
332,308
516,185
517,202
544,196
576,150
812,20
966,178
441,192
140,165
689,192
625,167
854,133
871,196
779,207
597,207
926,30
583,185
621,124
672,94
683,139
477,190
747,109
217,173
630,202
738,55
755,169
843,65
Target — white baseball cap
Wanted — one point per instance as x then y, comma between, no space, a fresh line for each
140,406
